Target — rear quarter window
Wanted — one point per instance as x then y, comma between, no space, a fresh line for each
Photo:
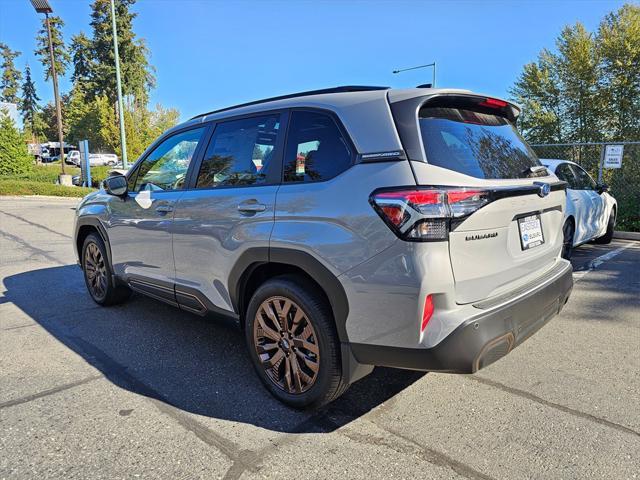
316,149
478,144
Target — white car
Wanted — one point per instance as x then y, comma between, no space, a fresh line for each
591,210
73,157
99,159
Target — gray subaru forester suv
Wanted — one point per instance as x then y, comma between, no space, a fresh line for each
342,229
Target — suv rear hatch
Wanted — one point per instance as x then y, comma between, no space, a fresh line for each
505,210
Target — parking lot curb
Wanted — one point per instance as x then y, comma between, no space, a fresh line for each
627,235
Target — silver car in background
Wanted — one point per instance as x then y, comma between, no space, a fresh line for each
342,229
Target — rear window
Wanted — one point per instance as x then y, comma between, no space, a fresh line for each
474,143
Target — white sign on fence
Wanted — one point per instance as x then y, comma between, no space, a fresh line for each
613,156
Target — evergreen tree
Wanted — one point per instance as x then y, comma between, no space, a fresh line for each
60,52
538,91
11,76
81,59
90,109
589,89
29,106
137,74
14,157
619,49
577,68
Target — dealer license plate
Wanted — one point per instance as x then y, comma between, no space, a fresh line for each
530,231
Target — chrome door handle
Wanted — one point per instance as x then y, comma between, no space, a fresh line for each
164,208
252,207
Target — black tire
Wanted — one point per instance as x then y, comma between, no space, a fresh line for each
98,274
608,236
329,382
568,231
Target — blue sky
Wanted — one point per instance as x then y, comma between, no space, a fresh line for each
210,54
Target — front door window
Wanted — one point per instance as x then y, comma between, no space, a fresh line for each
165,168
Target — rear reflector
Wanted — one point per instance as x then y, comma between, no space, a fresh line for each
426,313
425,214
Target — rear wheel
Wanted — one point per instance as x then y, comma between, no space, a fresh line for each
293,343
608,236
98,275
568,231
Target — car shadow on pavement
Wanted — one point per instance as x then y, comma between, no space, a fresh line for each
195,364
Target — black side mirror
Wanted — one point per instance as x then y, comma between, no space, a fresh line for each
116,185
602,187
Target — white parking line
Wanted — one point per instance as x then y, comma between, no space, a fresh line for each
596,262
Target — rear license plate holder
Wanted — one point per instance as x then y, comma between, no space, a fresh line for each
530,229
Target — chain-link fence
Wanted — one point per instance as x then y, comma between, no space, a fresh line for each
624,182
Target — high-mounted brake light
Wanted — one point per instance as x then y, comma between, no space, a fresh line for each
426,214
493,103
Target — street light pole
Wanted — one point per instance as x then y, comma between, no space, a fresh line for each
433,81
123,137
42,6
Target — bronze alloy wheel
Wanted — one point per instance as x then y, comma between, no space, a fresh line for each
95,270
286,344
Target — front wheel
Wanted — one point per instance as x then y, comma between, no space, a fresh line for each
98,275
293,343
568,232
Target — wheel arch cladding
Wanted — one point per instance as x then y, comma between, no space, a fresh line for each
259,264
86,226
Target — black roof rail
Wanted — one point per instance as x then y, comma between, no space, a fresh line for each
342,89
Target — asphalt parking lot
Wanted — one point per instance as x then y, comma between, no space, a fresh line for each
143,390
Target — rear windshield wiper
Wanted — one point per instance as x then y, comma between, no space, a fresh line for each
534,171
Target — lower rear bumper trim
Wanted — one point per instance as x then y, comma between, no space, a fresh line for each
481,339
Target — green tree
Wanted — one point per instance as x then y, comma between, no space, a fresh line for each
84,119
60,52
537,90
90,109
11,76
14,157
619,50
49,118
577,63
589,88
29,106
137,74
81,59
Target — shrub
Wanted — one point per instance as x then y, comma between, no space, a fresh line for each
26,187
44,173
14,157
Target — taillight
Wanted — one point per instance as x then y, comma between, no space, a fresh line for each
425,214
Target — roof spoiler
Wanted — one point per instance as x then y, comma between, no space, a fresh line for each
477,102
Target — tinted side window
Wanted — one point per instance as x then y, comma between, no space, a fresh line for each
316,150
165,168
564,173
584,180
240,152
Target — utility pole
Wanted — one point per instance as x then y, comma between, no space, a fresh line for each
123,137
42,6
433,81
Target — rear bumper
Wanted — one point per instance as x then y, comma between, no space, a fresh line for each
482,338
